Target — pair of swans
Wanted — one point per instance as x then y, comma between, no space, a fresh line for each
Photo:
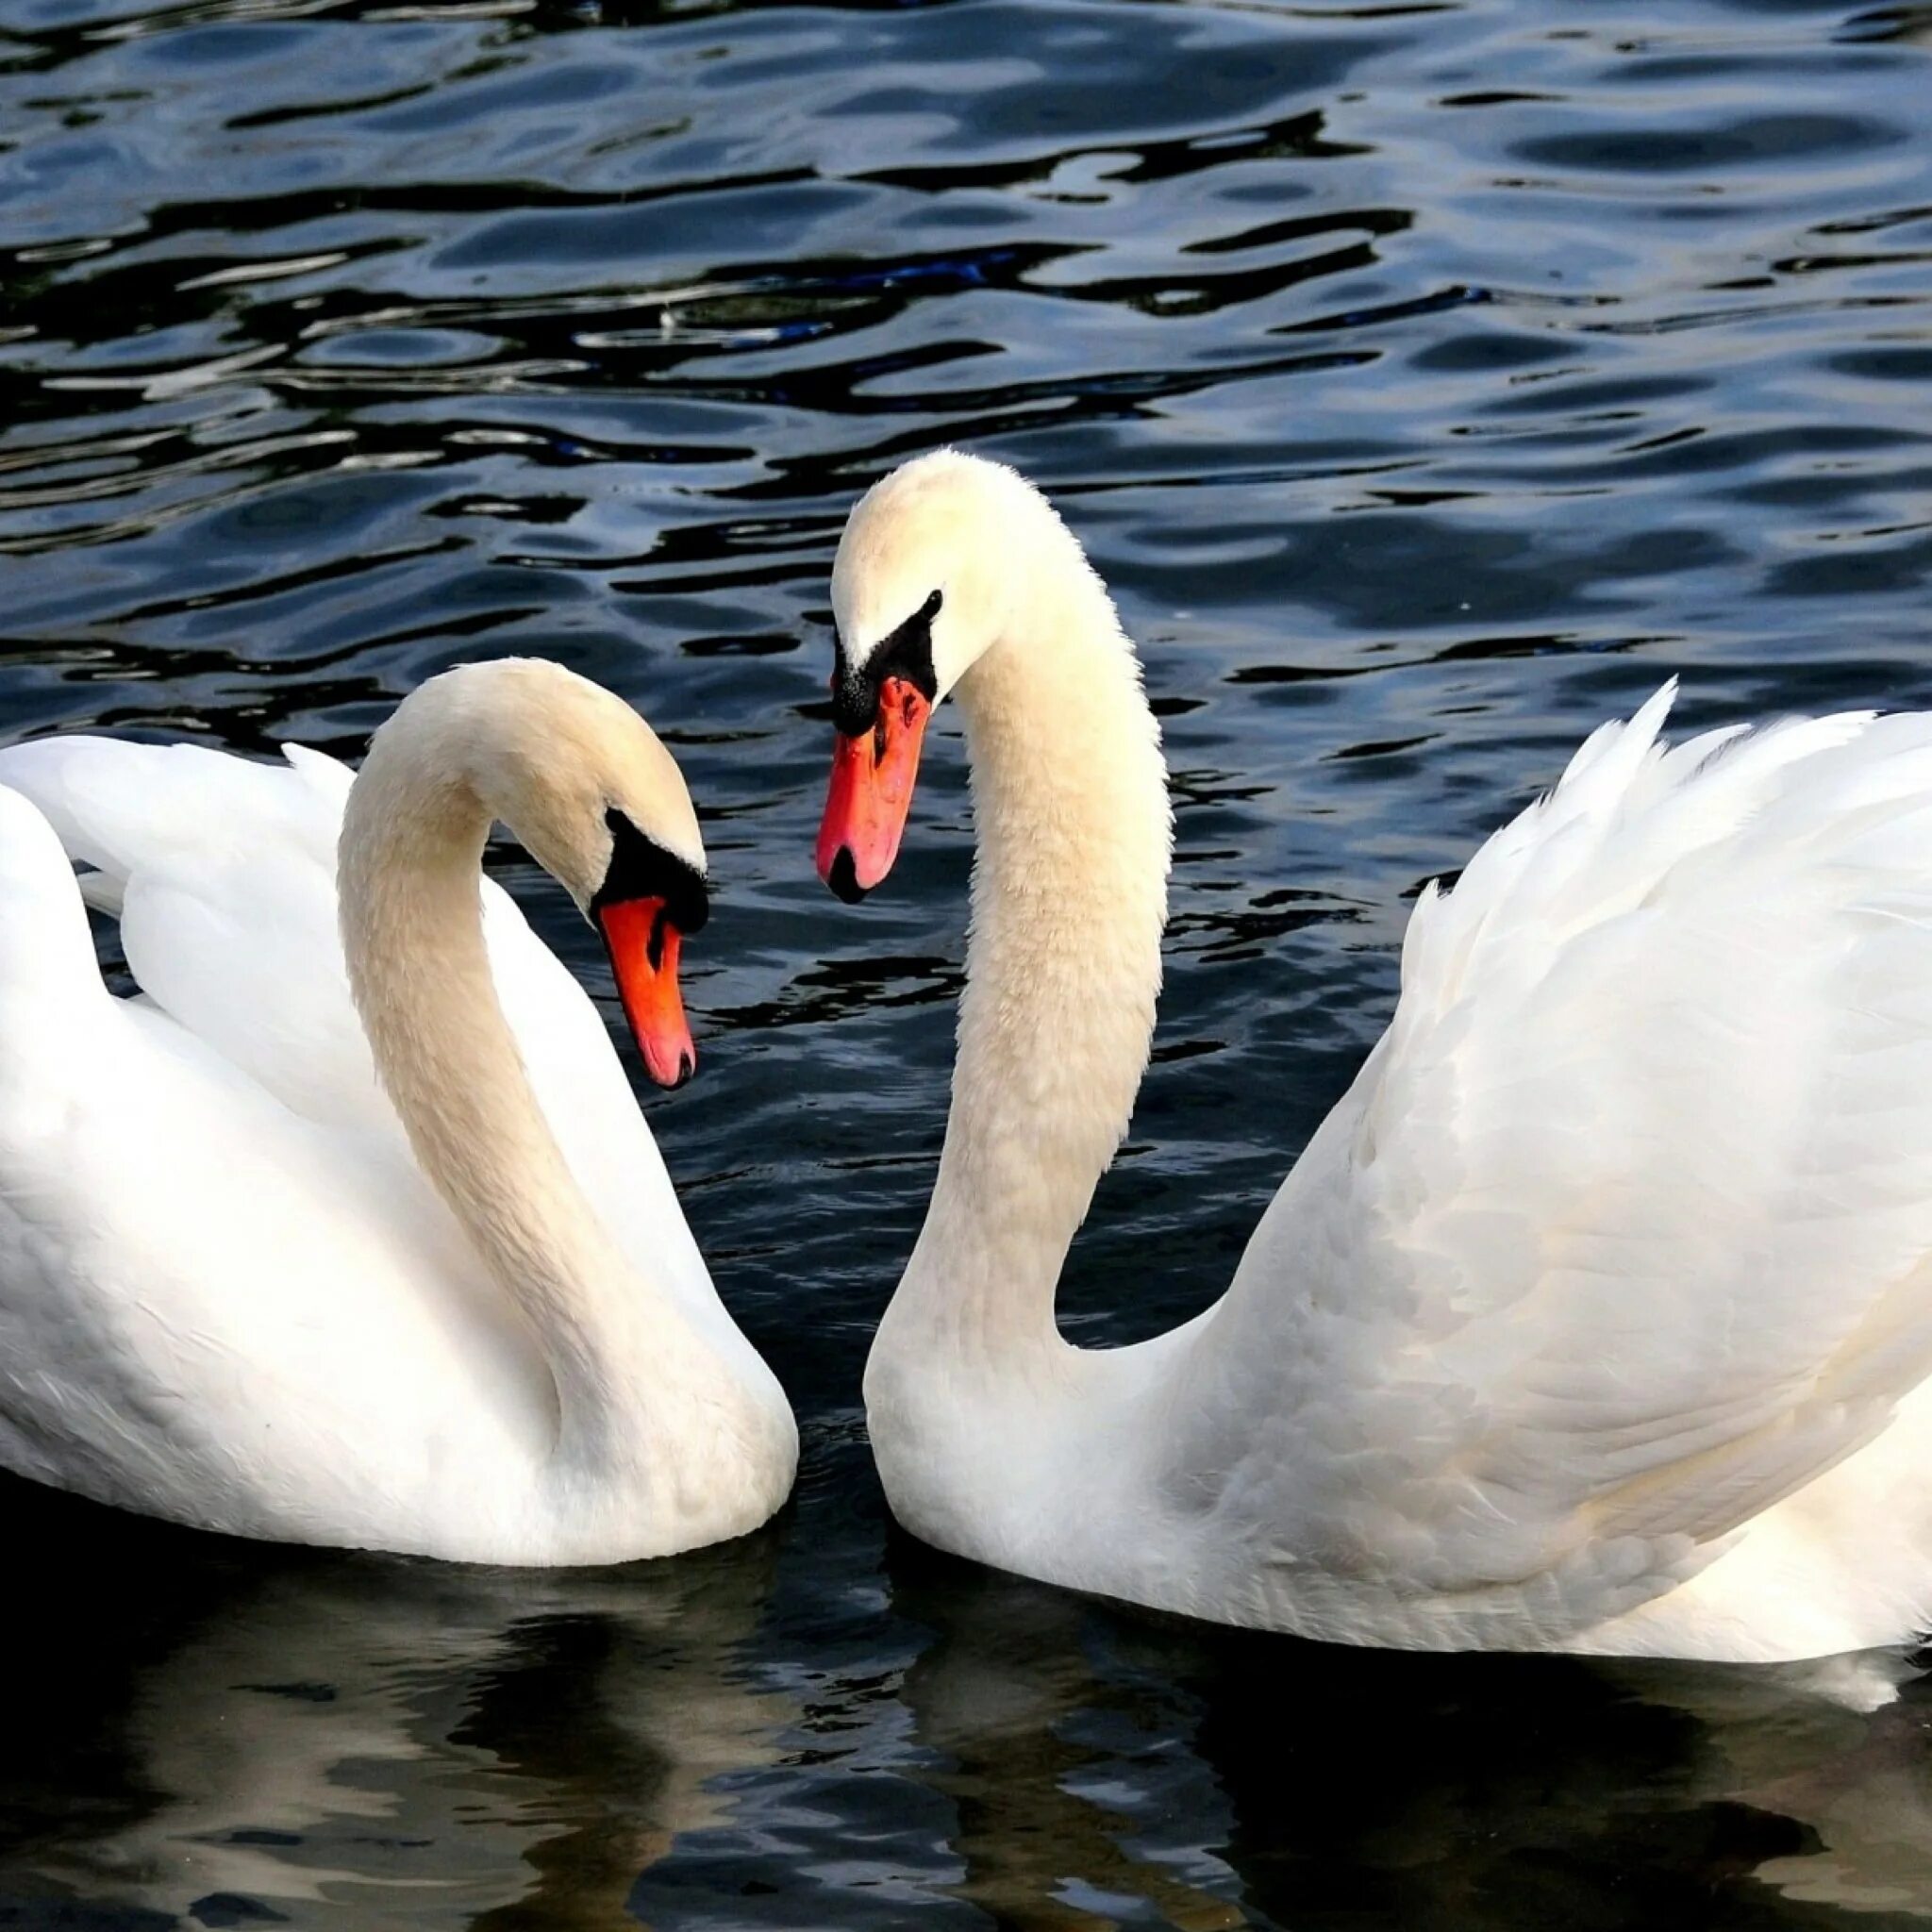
1597,1316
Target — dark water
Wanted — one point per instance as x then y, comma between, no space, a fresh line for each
1430,379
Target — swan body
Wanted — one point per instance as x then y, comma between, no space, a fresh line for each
347,1229
1597,1316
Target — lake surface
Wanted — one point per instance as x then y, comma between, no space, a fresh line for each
1431,380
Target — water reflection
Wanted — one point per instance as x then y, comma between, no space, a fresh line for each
1326,1788
1022,1729
255,1734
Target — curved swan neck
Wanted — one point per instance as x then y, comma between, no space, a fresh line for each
1063,967
409,885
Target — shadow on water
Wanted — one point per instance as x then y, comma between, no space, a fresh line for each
1430,381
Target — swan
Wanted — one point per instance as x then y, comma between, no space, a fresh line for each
346,1229
1595,1317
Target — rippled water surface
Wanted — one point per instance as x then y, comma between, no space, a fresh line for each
1430,379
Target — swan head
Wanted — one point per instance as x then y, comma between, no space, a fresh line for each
590,791
923,586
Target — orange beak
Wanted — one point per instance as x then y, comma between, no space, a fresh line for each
643,945
871,792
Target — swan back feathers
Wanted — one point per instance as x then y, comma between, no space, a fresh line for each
1621,1238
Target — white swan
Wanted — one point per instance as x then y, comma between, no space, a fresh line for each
1597,1316
423,1287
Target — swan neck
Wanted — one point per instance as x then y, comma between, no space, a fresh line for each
1063,966
409,868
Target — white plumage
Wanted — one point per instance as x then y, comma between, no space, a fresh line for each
230,1294
1624,1236
1597,1315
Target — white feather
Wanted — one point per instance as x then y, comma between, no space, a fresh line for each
229,1294
1596,1316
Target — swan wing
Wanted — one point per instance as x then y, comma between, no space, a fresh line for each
1624,1233
210,1308
224,871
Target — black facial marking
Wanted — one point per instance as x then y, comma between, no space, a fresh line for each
907,653
640,869
845,877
